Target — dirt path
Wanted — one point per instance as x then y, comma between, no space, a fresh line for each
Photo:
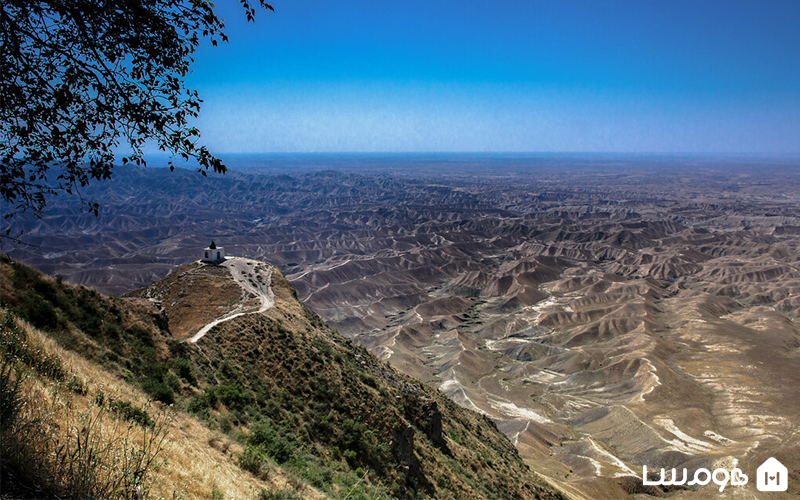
254,277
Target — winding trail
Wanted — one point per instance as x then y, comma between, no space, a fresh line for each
254,277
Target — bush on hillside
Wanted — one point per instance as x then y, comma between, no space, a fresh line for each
273,441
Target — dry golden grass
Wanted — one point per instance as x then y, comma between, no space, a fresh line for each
192,461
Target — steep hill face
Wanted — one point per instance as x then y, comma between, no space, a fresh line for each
295,395
73,429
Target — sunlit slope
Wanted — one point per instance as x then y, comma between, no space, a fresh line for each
292,404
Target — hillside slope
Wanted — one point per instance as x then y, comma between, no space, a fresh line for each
290,397
81,432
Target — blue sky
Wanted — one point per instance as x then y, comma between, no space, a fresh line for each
517,76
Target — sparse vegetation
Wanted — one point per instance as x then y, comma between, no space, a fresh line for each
278,495
11,401
15,346
52,447
295,400
126,345
184,370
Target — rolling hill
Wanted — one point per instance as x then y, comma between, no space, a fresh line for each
271,401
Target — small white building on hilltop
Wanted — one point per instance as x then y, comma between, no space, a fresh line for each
213,253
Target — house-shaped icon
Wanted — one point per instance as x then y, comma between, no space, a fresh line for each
772,476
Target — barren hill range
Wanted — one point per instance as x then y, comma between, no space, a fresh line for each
605,312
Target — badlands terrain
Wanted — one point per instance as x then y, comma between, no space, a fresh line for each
606,312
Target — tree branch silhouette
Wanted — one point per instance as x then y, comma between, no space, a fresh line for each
81,78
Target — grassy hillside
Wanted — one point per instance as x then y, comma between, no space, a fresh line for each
71,429
284,401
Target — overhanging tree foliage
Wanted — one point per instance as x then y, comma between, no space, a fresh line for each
80,78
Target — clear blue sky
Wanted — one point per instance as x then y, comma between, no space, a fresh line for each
522,75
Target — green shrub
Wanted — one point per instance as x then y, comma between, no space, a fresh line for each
127,411
316,473
24,276
47,290
225,423
140,333
199,406
178,349
233,396
147,356
276,443
172,381
278,495
91,325
159,391
39,313
369,380
184,370
111,331
228,372
211,396
352,435
251,460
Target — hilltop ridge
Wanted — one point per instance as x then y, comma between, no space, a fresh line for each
198,296
297,399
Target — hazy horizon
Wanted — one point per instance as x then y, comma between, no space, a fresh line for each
239,156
